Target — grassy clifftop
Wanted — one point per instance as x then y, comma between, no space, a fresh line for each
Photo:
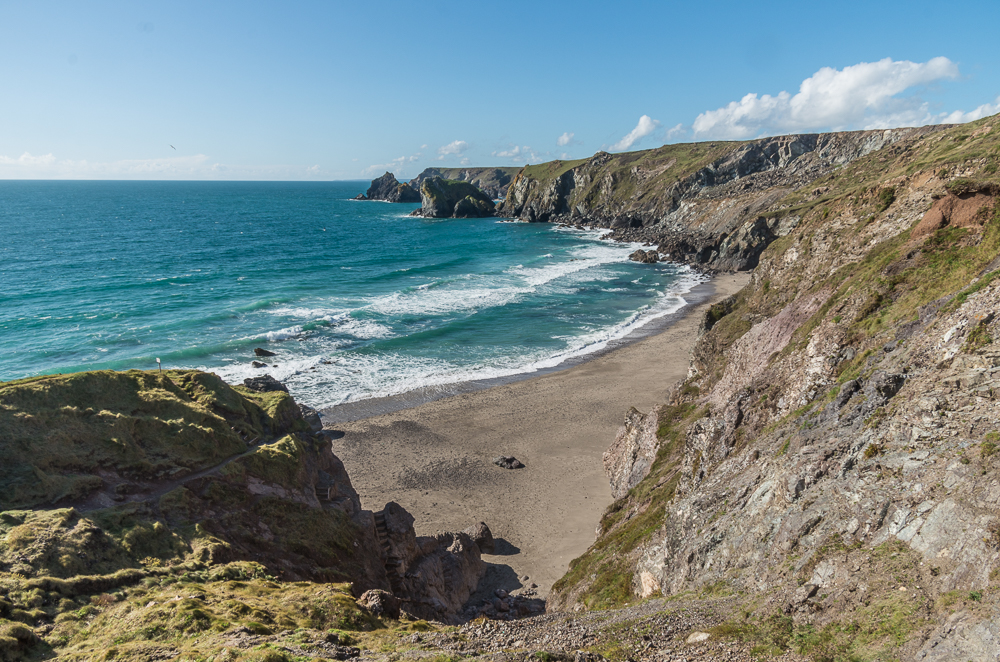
153,515
65,436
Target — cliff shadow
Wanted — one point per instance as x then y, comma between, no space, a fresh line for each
503,548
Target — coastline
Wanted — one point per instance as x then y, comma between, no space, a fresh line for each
370,407
432,452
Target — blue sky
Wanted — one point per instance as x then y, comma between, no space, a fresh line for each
345,90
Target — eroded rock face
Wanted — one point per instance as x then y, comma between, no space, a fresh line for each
491,181
442,198
628,459
387,189
839,443
433,576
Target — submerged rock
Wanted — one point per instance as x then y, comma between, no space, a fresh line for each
264,383
260,351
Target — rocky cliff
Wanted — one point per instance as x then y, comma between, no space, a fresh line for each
443,198
714,204
122,489
387,189
832,459
491,181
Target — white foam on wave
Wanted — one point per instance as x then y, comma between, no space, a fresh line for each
281,334
338,319
354,376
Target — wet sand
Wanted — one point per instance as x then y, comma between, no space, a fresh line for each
435,459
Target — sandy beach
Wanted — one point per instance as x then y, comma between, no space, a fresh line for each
435,459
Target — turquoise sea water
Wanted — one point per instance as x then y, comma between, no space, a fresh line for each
357,299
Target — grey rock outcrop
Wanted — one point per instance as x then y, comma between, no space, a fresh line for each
388,189
491,181
433,576
264,383
629,458
442,198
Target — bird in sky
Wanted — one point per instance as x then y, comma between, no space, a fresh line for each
173,148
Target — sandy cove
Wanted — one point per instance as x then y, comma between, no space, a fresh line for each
435,459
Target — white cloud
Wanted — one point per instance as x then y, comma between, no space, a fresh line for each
565,139
675,131
198,166
958,117
452,149
510,153
521,154
645,127
861,95
395,166
465,161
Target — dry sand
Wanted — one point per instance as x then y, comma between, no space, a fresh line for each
435,459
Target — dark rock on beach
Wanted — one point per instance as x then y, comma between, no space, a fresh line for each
505,462
482,536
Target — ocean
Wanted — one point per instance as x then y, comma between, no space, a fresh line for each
356,299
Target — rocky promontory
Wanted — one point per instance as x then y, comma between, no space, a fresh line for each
491,181
387,189
444,198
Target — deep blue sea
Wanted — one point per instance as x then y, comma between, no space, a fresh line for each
357,299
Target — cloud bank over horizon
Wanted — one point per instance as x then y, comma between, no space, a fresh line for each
197,166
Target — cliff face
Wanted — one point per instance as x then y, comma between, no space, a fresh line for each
442,198
115,483
832,457
711,204
387,189
491,181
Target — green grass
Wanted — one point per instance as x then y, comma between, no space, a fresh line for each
57,429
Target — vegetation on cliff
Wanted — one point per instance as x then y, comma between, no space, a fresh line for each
443,198
144,510
825,461
491,181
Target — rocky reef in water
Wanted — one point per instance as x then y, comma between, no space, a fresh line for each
491,181
443,198
387,189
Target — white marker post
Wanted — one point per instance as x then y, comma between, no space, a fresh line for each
158,367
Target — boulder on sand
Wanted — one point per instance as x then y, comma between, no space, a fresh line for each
505,462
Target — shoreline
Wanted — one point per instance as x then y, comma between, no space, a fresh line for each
434,457
369,407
